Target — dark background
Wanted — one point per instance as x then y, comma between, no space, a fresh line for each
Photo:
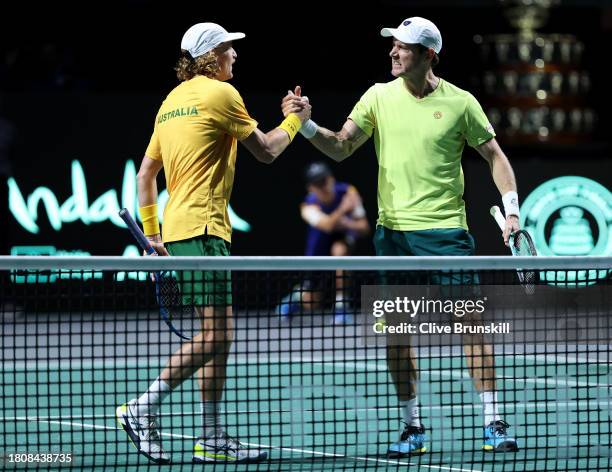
84,81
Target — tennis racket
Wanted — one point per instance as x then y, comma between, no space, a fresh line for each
167,289
521,244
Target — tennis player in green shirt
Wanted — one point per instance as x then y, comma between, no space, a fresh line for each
420,124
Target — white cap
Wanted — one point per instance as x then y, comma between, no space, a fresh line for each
204,37
416,30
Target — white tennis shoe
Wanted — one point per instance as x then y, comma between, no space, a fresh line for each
143,432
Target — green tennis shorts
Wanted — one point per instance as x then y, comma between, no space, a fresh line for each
429,242
203,288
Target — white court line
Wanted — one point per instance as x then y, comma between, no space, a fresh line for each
238,357
551,405
569,358
463,375
280,448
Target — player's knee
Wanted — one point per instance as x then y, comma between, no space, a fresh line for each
228,335
399,353
219,339
218,330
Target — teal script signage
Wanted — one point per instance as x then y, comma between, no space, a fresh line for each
28,210
78,208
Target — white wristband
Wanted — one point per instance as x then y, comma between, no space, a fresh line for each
511,203
309,129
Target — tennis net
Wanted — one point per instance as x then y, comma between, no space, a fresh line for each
326,355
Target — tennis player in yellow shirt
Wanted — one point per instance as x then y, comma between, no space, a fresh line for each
420,124
194,140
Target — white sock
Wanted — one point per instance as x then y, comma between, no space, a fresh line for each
410,412
211,419
341,301
150,401
296,294
489,403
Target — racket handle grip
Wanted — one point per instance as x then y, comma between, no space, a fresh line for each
499,217
143,242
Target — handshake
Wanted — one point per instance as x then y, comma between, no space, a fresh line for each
293,102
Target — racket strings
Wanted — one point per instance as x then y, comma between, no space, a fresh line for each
169,292
523,246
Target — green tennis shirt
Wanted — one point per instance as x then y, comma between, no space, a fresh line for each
419,142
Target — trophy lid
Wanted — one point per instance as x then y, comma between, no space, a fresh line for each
528,15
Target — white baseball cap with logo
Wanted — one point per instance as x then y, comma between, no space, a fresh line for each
416,30
204,37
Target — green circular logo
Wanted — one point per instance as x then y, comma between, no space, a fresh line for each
570,216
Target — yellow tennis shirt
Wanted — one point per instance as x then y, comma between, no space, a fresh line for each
419,143
195,136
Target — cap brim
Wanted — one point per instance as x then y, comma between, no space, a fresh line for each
387,32
233,37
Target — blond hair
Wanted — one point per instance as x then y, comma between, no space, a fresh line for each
187,67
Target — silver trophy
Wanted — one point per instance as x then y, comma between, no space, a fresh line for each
535,87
